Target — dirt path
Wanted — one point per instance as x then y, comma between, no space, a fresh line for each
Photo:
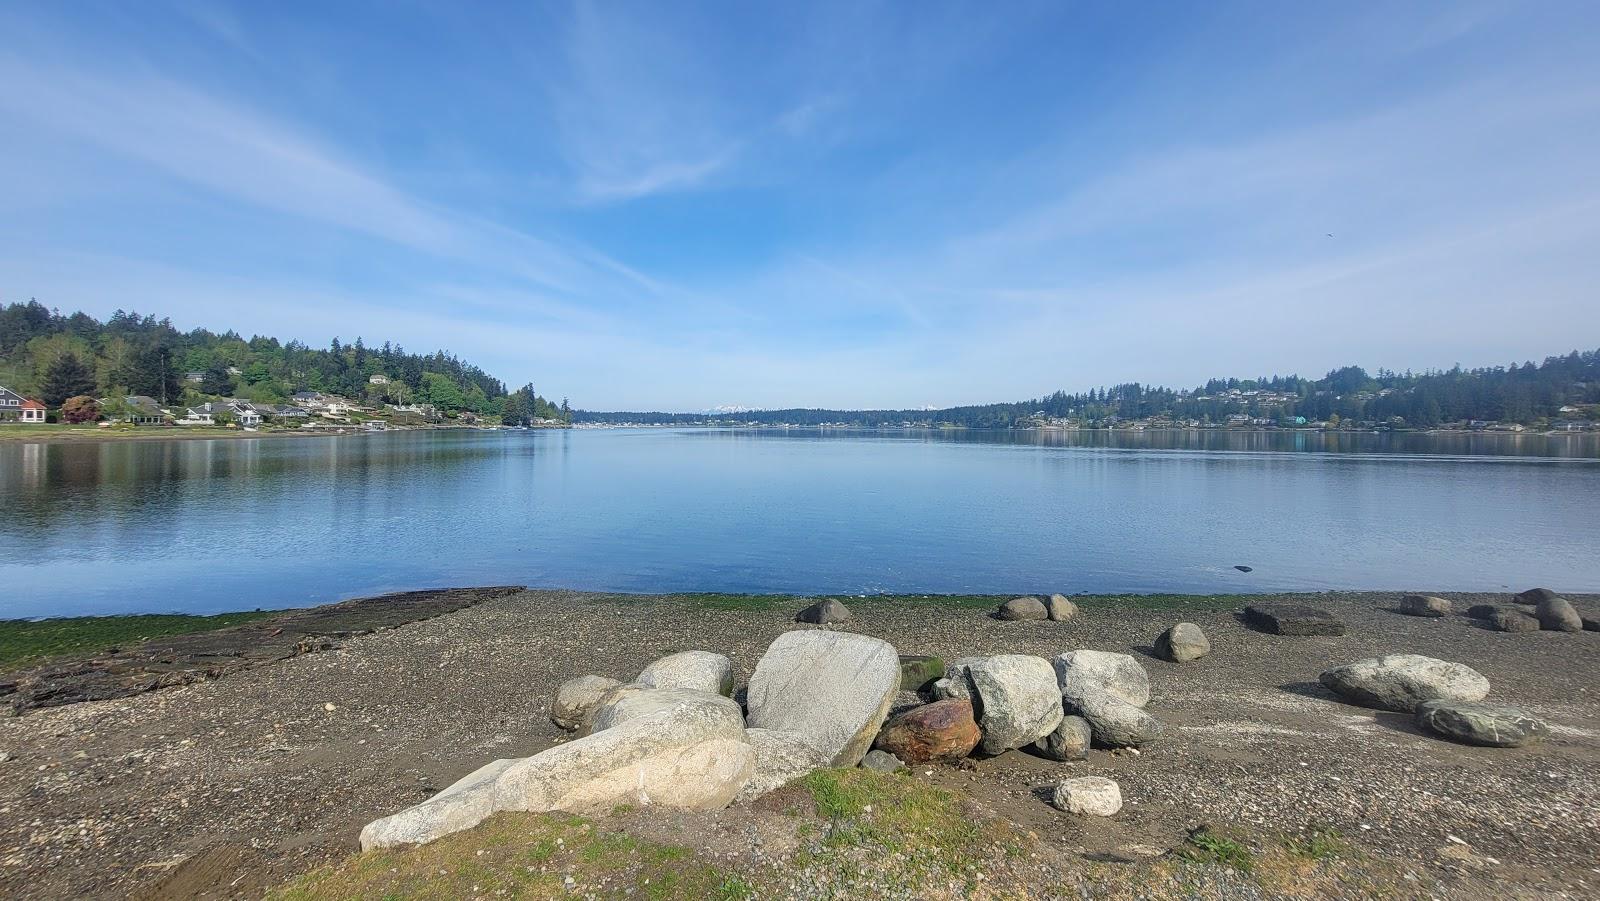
226,787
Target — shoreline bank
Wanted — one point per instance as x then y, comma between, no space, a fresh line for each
24,435
274,768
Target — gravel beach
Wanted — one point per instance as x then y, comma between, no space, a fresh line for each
225,788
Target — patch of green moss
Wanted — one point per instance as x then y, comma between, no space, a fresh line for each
29,641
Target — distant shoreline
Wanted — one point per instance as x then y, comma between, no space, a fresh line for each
49,435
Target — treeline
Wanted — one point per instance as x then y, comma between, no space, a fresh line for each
44,353
1525,393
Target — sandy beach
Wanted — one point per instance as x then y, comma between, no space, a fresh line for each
228,787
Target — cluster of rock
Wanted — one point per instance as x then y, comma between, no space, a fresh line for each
1444,697
1534,610
1055,607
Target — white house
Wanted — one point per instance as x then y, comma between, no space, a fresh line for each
15,407
379,379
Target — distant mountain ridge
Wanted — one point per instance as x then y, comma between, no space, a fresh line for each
1559,391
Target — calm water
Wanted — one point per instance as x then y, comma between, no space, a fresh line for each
208,526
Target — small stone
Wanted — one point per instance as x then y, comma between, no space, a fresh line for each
1425,605
1027,607
1061,608
1182,643
1558,615
1509,620
1292,619
1534,595
329,707
1070,741
919,672
1490,725
823,612
1088,796
882,761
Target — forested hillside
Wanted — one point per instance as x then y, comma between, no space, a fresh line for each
1520,393
46,354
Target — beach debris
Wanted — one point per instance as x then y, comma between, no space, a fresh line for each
823,613
1490,725
691,753
1094,796
1558,615
918,672
1400,682
1118,674
1070,740
1292,619
834,688
1507,619
1534,595
943,730
1182,643
1425,605
697,670
1017,700
576,698
781,757
882,762
1027,607
1061,608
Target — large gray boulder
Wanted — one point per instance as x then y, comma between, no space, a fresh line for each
1070,740
1426,605
697,670
631,702
1490,725
576,698
1016,699
833,688
690,754
1061,608
1113,722
1119,674
1509,620
1182,643
823,613
781,758
1534,595
1292,619
1024,608
1400,682
1558,615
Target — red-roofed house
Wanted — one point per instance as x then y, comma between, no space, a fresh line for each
16,408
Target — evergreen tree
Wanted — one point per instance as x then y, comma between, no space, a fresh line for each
66,377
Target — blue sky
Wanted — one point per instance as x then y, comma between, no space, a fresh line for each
686,205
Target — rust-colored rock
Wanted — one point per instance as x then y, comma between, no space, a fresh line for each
943,730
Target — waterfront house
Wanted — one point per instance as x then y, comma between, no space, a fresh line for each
375,425
16,408
142,410
379,379
195,416
194,378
